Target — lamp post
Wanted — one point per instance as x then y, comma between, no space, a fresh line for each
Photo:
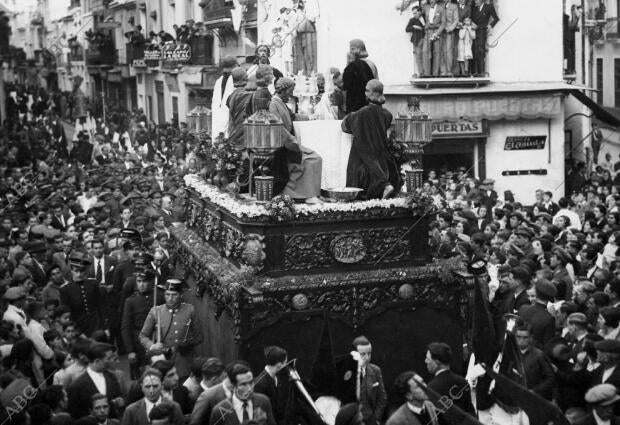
199,119
414,129
263,136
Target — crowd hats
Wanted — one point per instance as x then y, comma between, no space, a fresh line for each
36,247
79,260
142,258
15,293
602,394
546,289
145,274
608,346
577,318
174,284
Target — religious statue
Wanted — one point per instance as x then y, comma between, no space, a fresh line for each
80,102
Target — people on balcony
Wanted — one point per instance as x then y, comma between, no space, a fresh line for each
483,15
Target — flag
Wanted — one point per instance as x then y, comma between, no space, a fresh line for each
539,410
484,345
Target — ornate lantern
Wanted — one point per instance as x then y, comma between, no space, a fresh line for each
199,119
414,129
263,136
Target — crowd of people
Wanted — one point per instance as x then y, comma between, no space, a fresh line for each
88,273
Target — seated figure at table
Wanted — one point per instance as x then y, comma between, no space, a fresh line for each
372,166
296,169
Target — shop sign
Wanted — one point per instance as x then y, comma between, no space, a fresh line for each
152,54
139,63
459,128
521,143
174,54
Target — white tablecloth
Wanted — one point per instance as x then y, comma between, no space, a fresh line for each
327,139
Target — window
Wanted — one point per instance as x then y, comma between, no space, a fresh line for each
599,80
617,83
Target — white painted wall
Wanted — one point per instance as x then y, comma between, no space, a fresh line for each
382,28
551,158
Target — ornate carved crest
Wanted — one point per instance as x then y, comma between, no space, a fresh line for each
348,249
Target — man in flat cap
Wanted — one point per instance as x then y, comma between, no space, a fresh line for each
558,261
537,315
172,329
601,398
222,89
577,329
16,299
608,355
81,296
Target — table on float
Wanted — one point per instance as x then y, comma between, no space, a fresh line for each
327,139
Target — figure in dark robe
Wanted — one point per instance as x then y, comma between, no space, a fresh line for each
372,166
236,103
355,77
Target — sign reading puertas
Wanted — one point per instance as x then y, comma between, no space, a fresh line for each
459,128
521,143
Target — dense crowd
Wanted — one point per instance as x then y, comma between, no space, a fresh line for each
87,276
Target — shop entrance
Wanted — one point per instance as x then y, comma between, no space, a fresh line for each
450,154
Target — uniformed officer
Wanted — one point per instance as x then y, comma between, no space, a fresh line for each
172,329
82,296
135,312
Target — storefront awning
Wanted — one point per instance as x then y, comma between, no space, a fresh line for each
598,111
493,107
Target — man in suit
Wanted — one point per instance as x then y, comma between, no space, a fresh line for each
539,376
542,322
413,411
59,219
564,284
373,397
38,251
608,355
488,196
100,410
244,405
464,10
451,38
483,16
95,380
62,258
137,413
510,297
101,269
601,400
217,387
271,383
435,18
81,296
448,384
577,326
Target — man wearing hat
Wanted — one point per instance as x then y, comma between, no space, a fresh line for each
82,296
537,315
38,251
577,329
222,89
135,311
601,398
172,328
608,355
16,299
489,196
558,261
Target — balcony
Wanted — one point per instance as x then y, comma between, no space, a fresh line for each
202,50
135,51
101,55
217,12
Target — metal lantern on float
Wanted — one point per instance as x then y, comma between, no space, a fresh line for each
199,119
414,129
263,136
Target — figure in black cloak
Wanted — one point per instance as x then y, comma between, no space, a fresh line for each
372,166
355,76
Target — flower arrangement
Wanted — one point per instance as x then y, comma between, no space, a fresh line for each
281,208
227,157
255,210
421,203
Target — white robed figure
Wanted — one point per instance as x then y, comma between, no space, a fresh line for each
222,88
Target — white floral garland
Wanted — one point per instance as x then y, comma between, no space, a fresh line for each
241,209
